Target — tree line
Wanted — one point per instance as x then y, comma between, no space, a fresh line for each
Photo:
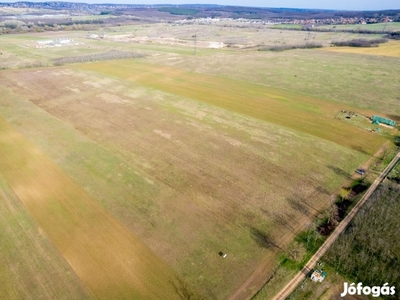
368,251
360,43
97,57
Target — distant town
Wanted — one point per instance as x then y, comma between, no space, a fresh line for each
180,12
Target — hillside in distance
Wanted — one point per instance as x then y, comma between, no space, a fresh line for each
203,10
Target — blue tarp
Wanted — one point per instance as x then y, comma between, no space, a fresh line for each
377,120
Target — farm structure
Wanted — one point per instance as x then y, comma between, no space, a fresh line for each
45,42
378,120
55,43
318,276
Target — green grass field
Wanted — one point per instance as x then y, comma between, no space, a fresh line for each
365,82
287,109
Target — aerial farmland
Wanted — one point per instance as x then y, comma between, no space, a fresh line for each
141,161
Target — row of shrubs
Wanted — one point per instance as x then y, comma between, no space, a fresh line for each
97,57
290,47
394,35
360,43
348,43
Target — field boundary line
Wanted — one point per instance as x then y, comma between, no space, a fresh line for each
291,286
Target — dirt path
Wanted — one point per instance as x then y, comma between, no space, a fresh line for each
289,288
252,284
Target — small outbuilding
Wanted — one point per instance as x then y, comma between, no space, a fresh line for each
93,36
64,41
318,276
45,42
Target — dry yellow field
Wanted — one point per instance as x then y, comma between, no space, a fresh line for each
391,48
107,257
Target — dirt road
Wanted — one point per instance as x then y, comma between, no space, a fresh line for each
289,288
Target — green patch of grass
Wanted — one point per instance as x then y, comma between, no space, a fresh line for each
357,182
287,263
311,240
280,107
368,83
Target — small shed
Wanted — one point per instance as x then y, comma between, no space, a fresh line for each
378,120
93,36
318,276
64,41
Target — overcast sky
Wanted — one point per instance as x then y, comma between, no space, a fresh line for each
325,4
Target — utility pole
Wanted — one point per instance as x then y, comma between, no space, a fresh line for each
308,37
195,44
